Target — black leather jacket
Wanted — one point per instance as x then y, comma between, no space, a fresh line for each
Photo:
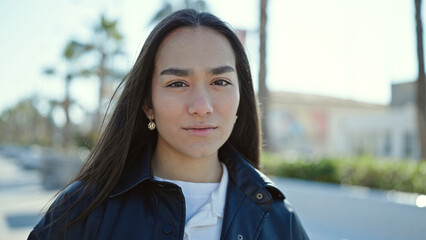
142,208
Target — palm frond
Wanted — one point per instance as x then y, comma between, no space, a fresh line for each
75,49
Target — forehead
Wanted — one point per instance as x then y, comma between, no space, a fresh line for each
198,47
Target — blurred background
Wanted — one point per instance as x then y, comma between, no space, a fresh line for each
341,87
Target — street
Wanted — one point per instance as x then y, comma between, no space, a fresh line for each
333,212
328,211
22,200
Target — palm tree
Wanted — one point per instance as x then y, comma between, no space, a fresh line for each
421,87
168,8
73,50
108,44
105,45
263,90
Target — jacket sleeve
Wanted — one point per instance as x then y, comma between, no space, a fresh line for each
36,234
297,230
283,223
54,221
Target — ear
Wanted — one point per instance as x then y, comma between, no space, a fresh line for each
148,112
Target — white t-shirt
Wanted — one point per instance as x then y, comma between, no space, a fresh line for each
205,204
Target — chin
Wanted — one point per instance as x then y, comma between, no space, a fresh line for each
202,151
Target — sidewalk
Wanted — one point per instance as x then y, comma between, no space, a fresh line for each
21,200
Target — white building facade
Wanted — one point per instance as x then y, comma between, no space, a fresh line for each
318,126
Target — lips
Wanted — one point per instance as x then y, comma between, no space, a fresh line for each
200,130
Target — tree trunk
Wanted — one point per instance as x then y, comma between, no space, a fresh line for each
66,104
101,75
263,90
421,106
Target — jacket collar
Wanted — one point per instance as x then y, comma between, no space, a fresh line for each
136,171
245,176
248,179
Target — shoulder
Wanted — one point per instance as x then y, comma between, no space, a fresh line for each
275,192
282,218
73,191
59,212
282,222
68,197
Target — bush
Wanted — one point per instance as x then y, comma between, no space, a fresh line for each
364,171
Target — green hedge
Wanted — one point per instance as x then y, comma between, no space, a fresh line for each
364,171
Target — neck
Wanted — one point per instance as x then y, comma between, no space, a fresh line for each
174,166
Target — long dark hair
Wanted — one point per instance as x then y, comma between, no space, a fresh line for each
126,133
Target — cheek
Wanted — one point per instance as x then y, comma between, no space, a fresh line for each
166,110
163,104
228,105
234,100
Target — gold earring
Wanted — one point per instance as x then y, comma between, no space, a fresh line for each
151,125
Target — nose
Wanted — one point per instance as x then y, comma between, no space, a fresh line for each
200,102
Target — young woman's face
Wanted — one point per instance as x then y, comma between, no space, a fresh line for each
195,92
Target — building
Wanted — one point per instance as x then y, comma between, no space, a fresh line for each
318,126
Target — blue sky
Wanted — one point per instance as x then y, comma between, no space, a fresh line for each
350,49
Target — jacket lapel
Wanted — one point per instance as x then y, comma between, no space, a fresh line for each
248,199
243,218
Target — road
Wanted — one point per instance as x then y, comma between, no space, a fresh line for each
333,212
328,211
22,199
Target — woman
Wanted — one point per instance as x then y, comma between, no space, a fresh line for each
178,158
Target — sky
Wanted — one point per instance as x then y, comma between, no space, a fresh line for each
351,49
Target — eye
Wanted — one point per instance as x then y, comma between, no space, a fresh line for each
177,84
221,82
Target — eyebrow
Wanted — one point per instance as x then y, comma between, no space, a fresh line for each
183,72
221,69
